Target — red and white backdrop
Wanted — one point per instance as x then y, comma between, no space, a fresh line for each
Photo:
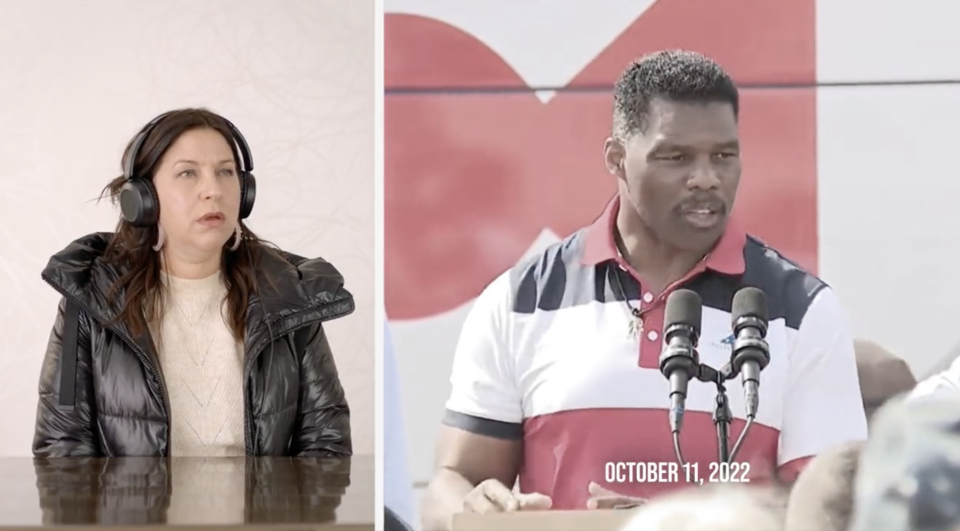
496,112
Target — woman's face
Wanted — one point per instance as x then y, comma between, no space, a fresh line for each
198,187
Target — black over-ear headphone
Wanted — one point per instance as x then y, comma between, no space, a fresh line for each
138,198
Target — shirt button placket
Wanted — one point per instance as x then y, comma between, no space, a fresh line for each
646,305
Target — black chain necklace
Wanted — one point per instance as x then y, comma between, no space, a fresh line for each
635,328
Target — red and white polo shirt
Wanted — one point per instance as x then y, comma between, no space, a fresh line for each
547,356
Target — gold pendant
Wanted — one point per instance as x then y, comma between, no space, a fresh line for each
635,328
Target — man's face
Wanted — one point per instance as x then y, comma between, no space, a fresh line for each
681,174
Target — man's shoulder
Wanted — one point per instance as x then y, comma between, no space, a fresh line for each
767,260
947,380
565,252
790,288
548,271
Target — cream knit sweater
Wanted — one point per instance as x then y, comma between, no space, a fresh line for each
202,366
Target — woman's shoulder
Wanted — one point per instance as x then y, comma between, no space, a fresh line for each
81,253
315,278
72,265
307,268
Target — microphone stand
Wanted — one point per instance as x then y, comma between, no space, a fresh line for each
722,416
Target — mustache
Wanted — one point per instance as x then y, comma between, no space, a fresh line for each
710,202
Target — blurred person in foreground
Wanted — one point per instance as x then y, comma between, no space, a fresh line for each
944,381
909,473
822,497
556,373
713,508
883,375
182,333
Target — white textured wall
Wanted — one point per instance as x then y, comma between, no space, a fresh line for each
78,79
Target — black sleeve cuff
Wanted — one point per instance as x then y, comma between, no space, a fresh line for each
481,426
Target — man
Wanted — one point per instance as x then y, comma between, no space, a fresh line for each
716,508
908,477
947,381
883,375
555,376
822,497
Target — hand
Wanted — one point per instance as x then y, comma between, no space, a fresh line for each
491,496
601,498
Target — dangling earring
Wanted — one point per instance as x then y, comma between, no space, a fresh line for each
161,237
237,236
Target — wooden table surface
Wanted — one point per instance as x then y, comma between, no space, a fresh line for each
212,493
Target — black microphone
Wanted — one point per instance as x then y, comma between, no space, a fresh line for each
750,353
679,360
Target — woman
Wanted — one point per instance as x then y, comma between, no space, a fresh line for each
182,333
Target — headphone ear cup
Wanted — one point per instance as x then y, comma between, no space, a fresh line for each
139,204
248,194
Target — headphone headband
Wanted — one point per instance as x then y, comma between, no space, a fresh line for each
138,199
240,143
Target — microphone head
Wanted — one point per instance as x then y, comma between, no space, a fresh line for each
750,302
685,308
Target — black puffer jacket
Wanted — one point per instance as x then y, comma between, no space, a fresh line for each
294,403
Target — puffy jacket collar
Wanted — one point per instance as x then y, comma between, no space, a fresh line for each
302,291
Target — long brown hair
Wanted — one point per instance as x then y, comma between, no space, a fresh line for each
140,285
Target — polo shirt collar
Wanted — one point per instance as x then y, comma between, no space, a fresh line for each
726,257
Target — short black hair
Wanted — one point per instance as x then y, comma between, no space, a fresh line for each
673,75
